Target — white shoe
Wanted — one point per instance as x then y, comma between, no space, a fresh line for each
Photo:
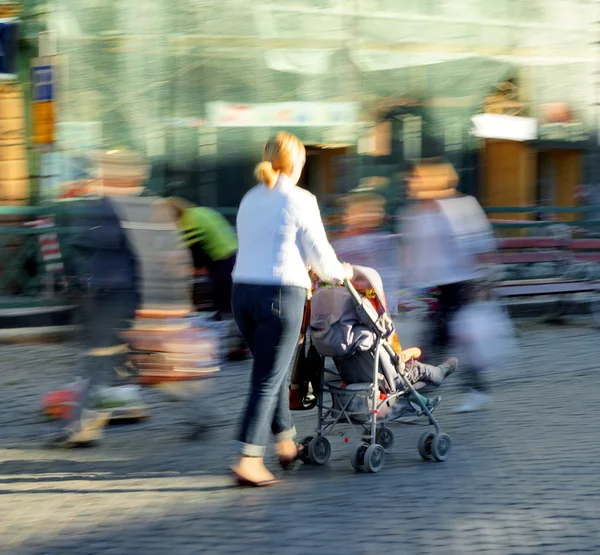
473,401
119,395
88,430
123,402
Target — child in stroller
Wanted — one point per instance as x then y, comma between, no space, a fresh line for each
352,326
338,333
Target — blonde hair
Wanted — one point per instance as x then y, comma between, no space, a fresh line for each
281,153
432,179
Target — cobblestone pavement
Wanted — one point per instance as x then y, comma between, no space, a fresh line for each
521,478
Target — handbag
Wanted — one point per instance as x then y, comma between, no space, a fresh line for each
305,384
485,331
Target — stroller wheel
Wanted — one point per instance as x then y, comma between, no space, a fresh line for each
319,450
304,457
425,446
441,447
385,438
374,458
358,457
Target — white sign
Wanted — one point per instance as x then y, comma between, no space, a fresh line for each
511,128
282,114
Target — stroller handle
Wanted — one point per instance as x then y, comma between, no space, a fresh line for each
384,344
352,290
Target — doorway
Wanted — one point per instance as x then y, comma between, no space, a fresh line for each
559,175
546,182
324,175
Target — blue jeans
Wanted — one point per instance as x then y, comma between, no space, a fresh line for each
269,319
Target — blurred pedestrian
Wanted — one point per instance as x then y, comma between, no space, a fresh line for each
213,245
105,271
446,232
280,233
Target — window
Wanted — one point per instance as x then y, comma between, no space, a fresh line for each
412,136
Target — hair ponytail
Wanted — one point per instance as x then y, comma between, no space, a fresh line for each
281,154
265,173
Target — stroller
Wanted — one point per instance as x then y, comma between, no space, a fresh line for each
354,387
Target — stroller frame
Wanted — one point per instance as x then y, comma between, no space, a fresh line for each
377,439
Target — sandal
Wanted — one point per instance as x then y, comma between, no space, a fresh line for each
247,483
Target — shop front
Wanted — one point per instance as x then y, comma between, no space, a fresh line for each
561,157
532,162
200,95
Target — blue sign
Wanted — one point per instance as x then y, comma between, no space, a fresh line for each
43,83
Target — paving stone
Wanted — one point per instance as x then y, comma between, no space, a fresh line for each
522,477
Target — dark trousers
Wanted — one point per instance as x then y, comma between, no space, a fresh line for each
452,297
269,319
104,315
221,285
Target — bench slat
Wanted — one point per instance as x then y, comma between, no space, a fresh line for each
527,257
547,289
532,243
586,244
587,256
537,281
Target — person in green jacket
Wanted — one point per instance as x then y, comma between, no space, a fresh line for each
213,245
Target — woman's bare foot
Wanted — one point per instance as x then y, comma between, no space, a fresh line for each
253,471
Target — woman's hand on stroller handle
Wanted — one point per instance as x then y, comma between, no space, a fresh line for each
348,271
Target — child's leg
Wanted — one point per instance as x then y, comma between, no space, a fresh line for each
434,375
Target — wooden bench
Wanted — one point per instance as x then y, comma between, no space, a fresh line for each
524,253
561,253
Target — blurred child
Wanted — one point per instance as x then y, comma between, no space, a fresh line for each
363,242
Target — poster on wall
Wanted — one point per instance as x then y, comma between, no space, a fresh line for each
43,73
282,114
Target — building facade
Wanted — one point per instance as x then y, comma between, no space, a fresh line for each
198,85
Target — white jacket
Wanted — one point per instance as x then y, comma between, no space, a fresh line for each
280,232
